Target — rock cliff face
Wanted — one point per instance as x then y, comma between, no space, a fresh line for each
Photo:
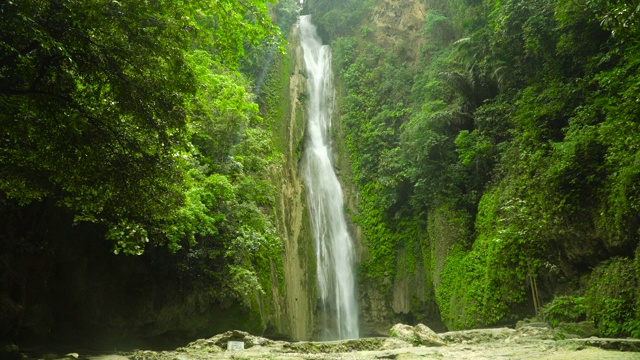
398,24
292,220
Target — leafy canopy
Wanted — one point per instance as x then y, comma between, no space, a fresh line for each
109,111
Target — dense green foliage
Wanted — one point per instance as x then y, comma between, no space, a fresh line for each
514,135
133,115
612,298
501,158
565,309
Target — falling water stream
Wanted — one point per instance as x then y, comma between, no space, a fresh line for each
338,312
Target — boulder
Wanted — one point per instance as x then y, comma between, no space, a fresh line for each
220,341
418,335
403,332
427,337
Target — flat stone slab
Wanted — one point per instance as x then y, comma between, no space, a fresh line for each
477,336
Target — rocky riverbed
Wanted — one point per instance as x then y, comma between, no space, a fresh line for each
527,341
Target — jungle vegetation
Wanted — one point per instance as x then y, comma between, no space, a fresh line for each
505,157
134,116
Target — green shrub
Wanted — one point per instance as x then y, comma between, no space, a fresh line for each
611,298
565,309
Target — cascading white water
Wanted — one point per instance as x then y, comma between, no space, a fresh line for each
334,248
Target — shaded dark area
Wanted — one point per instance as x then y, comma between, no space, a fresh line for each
62,286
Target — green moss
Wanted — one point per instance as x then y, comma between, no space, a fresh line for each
274,100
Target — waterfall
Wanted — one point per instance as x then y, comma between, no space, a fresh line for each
338,310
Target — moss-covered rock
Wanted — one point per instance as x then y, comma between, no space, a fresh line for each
418,335
426,336
403,332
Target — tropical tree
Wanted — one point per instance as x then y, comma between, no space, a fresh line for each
96,105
